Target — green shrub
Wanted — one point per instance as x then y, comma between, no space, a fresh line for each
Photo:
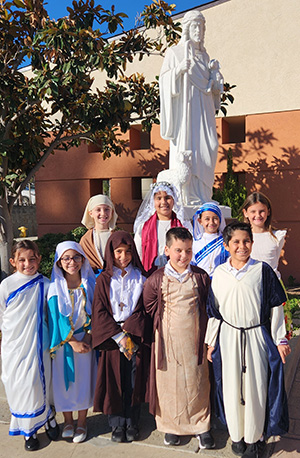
47,246
232,193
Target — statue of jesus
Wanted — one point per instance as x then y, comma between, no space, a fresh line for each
189,97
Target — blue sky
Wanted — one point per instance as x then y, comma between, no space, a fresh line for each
58,8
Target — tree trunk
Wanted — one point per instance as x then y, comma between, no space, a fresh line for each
6,238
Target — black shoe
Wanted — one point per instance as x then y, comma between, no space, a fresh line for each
132,433
171,439
238,448
52,431
118,434
206,440
255,450
31,444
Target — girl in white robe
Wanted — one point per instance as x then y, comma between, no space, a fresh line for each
26,368
74,366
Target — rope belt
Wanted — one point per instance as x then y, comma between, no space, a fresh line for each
243,350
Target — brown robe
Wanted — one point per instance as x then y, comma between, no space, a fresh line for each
108,393
154,306
88,247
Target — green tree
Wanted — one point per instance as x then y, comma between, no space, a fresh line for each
57,106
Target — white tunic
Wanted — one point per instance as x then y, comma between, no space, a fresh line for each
80,394
239,301
267,248
26,368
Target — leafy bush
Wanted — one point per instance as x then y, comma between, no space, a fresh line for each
232,193
47,246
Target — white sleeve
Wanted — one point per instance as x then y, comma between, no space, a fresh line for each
212,331
278,329
2,303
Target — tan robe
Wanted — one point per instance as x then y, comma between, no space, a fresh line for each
183,387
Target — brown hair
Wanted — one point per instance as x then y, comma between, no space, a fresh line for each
176,233
25,245
254,198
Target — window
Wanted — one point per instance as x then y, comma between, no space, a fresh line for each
140,187
100,186
233,129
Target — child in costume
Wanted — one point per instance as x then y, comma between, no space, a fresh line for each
74,365
208,248
247,345
26,365
100,219
175,297
267,242
160,211
118,328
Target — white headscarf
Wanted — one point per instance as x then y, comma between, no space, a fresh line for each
99,199
59,287
147,208
211,207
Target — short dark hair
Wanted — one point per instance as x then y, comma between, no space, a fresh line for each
175,233
236,226
25,245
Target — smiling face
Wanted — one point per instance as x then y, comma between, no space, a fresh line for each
257,215
101,215
71,262
239,247
180,254
122,256
210,222
163,204
26,262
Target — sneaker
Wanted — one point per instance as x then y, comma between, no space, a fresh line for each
255,450
31,444
132,433
118,434
238,448
206,440
171,439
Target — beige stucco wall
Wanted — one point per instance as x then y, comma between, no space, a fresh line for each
257,44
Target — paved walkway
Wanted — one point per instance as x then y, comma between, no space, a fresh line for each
150,445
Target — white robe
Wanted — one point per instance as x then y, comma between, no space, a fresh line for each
267,248
26,366
239,303
80,394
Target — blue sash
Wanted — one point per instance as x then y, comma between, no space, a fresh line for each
209,248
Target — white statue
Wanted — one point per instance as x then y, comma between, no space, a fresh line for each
190,89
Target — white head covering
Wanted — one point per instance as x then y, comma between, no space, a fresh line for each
147,209
198,229
99,199
58,286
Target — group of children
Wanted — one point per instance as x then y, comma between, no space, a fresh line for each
162,306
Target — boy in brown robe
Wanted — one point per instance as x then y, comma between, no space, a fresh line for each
175,296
